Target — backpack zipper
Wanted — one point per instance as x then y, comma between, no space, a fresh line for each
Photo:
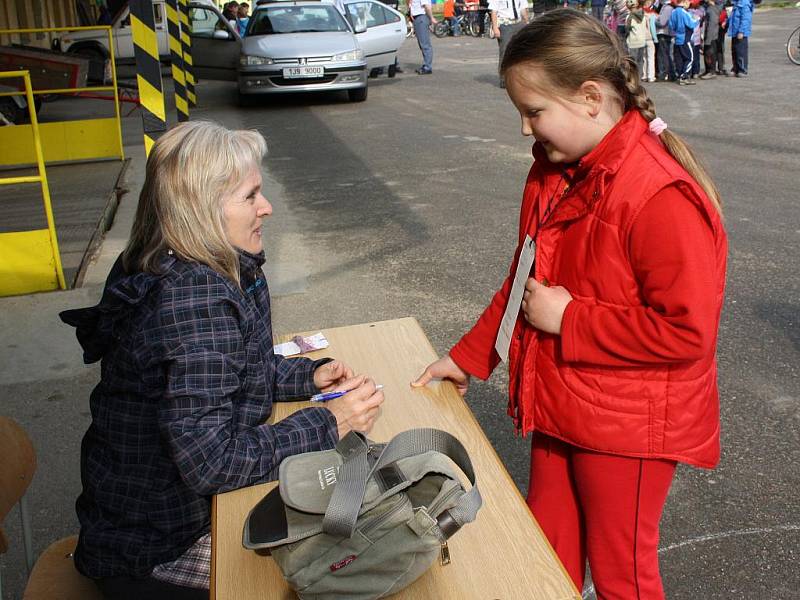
375,522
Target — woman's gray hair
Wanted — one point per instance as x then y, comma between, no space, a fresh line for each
190,169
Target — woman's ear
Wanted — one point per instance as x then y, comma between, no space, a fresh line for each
592,93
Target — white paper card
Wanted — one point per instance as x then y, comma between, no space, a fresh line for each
299,345
521,275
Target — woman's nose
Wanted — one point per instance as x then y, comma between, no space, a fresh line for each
266,208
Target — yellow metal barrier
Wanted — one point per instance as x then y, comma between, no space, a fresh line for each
30,260
66,140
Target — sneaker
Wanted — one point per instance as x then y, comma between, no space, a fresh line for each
690,82
730,74
708,75
423,71
741,74
682,82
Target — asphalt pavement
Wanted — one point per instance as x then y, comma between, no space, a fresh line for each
407,205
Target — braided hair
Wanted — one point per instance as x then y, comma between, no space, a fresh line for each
571,47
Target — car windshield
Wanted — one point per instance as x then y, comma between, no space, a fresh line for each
295,19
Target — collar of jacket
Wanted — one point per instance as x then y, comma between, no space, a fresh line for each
587,179
249,267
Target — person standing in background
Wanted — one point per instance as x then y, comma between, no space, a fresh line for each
651,39
508,17
666,68
421,15
711,31
698,14
682,23
243,18
739,27
598,7
636,27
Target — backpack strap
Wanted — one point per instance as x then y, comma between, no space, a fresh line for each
348,495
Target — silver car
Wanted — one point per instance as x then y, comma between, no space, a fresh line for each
299,46
303,46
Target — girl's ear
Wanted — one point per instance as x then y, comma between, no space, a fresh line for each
591,92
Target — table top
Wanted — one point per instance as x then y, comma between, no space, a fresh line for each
502,555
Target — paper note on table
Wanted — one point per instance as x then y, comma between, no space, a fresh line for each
299,344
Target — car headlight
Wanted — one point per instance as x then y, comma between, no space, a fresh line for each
247,60
352,55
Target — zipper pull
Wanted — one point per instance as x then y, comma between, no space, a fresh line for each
445,558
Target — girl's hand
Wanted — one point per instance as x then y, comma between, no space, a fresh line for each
359,408
444,368
331,374
544,306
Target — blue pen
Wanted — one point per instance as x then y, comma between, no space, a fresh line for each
333,395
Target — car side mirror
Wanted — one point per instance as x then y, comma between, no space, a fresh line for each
360,28
221,34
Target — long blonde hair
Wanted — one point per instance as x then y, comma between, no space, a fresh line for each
571,48
191,168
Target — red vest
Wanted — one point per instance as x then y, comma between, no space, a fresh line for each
653,411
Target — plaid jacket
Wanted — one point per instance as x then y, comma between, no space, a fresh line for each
188,379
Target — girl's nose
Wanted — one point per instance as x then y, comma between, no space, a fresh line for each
526,128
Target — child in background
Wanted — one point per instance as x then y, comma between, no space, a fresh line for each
651,39
739,27
636,29
682,23
611,351
711,33
698,14
665,64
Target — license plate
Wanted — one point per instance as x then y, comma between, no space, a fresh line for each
299,72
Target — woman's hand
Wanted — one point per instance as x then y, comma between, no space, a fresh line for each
544,306
331,374
358,409
444,368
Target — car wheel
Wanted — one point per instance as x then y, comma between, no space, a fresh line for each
358,95
392,70
11,111
97,62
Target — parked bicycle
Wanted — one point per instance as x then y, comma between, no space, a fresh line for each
793,46
458,25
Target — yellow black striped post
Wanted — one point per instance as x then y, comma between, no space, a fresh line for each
186,43
148,71
176,56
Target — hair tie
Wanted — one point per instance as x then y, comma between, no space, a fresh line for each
657,126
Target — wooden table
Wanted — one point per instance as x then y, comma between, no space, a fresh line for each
503,555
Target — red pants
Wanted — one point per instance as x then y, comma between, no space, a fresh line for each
603,507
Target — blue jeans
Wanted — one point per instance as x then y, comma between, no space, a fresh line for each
739,50
421,28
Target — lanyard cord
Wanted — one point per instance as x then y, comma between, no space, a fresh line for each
550,206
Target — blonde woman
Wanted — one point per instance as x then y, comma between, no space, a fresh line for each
188,371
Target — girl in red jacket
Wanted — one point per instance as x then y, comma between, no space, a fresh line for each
611,333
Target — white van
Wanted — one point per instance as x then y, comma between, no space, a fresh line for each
94,44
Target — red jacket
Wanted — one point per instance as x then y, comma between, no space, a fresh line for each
641,249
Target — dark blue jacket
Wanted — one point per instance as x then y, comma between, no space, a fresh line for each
188,379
